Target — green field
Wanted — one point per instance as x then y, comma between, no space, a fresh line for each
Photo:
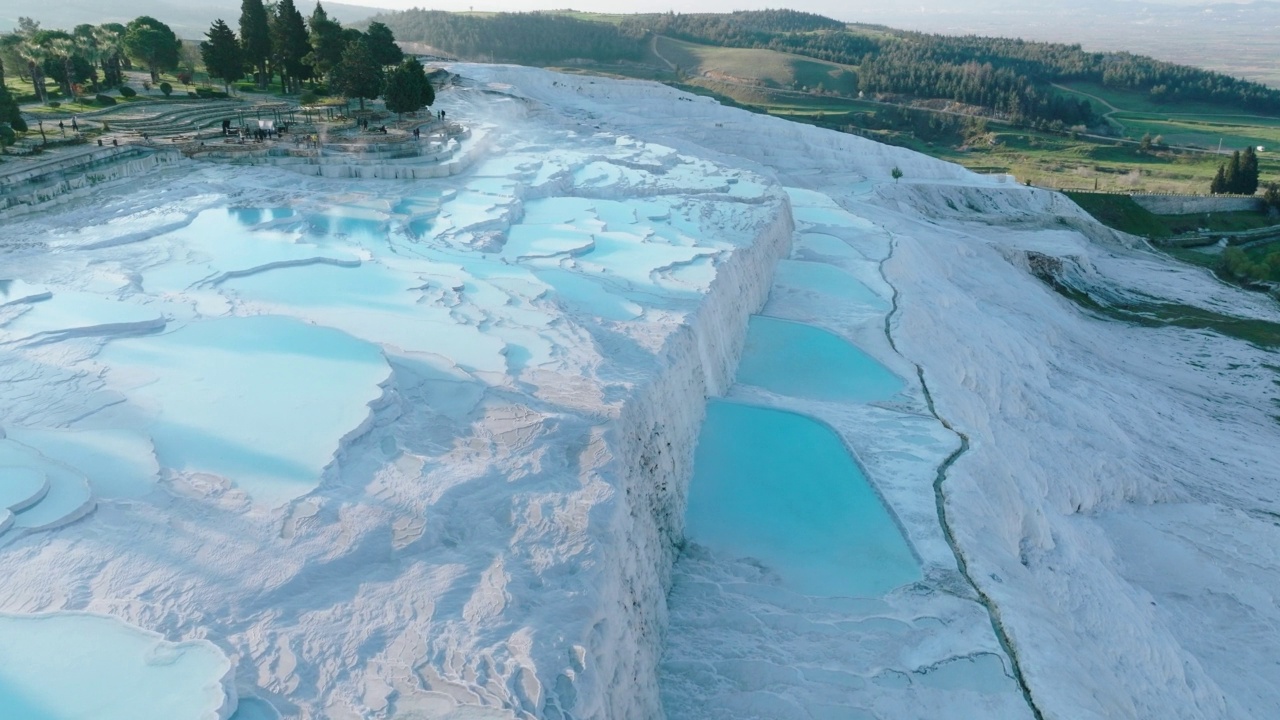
1184,124
1126,101
767,68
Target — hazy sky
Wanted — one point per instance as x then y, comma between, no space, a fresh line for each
839,9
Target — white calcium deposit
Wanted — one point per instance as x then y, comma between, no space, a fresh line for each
421,448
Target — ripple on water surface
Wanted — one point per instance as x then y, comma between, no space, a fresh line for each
783,489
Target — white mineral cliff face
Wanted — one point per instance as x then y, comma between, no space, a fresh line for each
1116,504
520,359
1116,501
522,355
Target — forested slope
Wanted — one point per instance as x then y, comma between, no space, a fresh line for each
1012,78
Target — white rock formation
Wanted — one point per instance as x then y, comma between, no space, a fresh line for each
471,498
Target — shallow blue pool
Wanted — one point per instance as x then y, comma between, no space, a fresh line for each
807,362
783,489
254,709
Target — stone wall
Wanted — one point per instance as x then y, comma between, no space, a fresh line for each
1195,204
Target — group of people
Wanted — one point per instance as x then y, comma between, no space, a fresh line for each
75,125
363,124
259,134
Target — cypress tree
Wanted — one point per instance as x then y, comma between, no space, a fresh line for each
1219,184
326,42
1234,172
358,75
221,54
255,38
290,44
1249,172
382,43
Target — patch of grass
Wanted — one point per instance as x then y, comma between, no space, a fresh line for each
1205,133
610,18
767,68
1122,213
1193,256
1125,100
1262,333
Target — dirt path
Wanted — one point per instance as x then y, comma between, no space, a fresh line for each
653,46
1111,109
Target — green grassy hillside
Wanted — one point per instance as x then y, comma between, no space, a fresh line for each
768,68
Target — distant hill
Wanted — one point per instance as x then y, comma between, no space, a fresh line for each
1012,80
188,18
1239,38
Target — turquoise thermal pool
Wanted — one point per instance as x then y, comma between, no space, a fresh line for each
806,362
783,489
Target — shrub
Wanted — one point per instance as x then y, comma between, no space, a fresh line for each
19,124
126,91
54,104
7,135
308,98
1272,195
166,88
105,100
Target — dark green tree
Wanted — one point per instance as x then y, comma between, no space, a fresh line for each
1234,174
10,61
408,89
327,43
87,49
1248,172
383,45
9,112
1219,184
109,38
358,75
153,44
63,61
222,55
1272,195
255,38
350,35
290,45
